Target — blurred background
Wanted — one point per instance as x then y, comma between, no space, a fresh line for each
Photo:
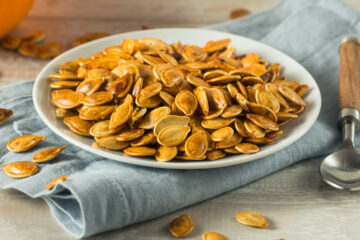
66,20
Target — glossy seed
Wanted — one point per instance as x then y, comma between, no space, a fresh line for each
186,102
5,114
28,49
171,120
78,125
55,181
139,151
214,236
64,84
95,112
153,117
66,98
222,134
215,154
196,145
246,148
173,135
23,143
181,226
165,153
263,122
97,98
122,112
102,129
217,123
47,154
130,134
144,140
252,218
229,142
232,111
291,95
20,169
110,143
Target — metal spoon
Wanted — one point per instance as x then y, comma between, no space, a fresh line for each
341,169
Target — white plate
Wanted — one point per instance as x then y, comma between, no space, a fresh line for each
291,69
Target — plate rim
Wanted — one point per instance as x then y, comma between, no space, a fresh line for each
173,165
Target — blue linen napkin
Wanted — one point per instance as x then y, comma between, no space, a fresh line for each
101,194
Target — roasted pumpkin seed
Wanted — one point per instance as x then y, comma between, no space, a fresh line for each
5,114
165,153
20,169
24,143
181,226
55,181
47,154
246,148
214,236
139,151
252,218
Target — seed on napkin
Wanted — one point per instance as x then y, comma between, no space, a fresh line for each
5,114
20,169
53,182
47,154
253,219
23,143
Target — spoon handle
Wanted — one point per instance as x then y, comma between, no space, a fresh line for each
349,78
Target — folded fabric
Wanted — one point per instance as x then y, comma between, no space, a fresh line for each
102,194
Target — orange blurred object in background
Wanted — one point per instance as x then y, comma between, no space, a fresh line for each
11,13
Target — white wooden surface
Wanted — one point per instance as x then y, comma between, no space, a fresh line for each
297,203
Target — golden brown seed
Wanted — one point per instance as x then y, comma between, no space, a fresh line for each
246,148
213,46
35,37
139,151
47,154
96,112
89,86
55,181
239,13
10,42
63,113
229,142
186,102
196,145
197,82
181,226
252,218
201,96
190,158
64,84
300,90
231,150
259,141
167,97
28,49
291,95
78,125
110,143
97,98
165,154
263,122
261,110
20,169
168,58
130,134
173,135
267,99
5,114
50,50
192,53
144,140
65,76
151,90
171,120
253,130
102,129
122,112
215,154
66,98
153,117
150,102
23,143
240,128
232,111
217,123
284,116
213,236
224,79
221,134
274,134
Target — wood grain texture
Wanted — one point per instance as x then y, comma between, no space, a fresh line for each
297,203
349,76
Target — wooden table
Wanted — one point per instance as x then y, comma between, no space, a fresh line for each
295,200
